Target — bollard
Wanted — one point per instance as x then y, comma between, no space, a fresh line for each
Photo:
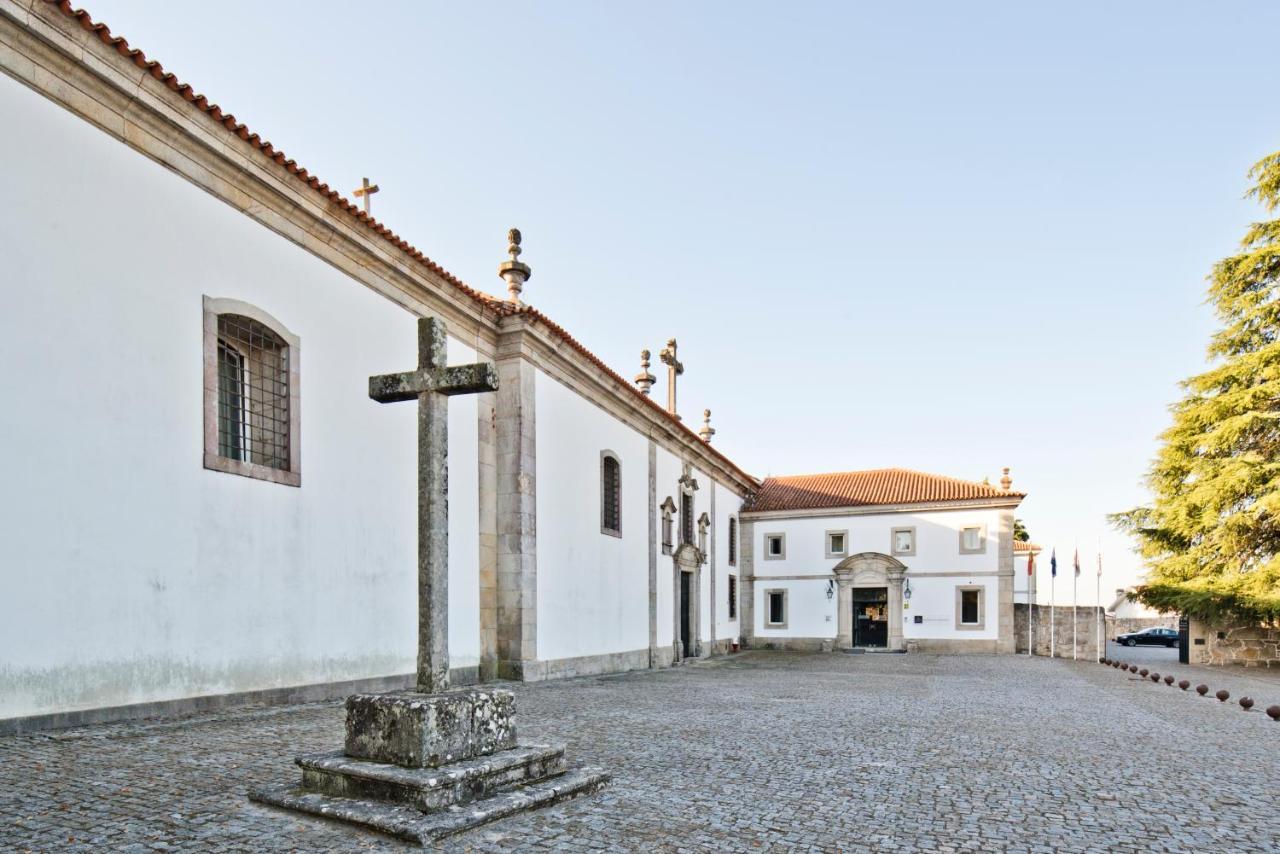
1184,684
1155,677
1143,672
1133,668
1246,703
1223,695
1202,690
1168,680
1273,712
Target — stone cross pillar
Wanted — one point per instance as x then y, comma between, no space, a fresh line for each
431,385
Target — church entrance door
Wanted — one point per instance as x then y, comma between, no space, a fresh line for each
871,616
686,614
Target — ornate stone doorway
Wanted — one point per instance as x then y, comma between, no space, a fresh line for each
870,591
688,584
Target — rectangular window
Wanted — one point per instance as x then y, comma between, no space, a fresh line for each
775,604
775,546
686,518
733,597
733,542
610,494
666,533
970,610
837,543
972,540
903,541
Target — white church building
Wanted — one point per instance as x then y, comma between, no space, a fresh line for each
201,505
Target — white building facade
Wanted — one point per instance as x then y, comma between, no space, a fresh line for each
203,506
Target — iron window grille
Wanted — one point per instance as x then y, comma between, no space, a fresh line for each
611,495
253,393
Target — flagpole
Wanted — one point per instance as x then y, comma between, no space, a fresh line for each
1075,602
1098,618
1031,600
1053,626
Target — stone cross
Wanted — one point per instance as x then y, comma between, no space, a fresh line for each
365,190
674,369
431,385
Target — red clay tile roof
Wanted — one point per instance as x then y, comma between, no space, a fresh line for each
495,304
1020,546
867,488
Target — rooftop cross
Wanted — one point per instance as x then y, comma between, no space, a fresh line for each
674,369
432,384
364,191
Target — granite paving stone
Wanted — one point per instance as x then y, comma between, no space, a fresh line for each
760,751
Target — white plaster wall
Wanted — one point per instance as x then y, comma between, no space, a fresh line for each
130,572
937,551
810,614
934,599
727,506
669,470
593,589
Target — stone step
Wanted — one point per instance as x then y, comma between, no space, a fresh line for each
430,789
406,822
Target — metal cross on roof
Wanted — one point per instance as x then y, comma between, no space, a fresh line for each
364,191
432,384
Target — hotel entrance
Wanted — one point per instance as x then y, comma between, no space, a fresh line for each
870,616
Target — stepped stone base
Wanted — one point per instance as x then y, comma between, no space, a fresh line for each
424,766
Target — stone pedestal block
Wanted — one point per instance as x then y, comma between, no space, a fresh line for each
415,730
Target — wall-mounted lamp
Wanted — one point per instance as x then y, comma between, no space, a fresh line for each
831,587
906,588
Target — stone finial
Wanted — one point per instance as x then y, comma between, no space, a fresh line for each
707,430
514,272
644,379
1006,482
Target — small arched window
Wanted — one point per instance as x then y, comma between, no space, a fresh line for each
251,393
610,494
668,511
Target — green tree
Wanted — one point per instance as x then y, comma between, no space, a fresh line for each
1211,536
1020,532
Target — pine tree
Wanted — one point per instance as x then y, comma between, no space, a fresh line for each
1211,536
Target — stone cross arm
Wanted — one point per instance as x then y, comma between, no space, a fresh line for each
458,379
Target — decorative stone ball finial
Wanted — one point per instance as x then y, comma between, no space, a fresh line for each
1006,482
514,272
707,430
644,379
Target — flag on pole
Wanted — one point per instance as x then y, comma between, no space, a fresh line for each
1053,562
1099,563
1031,563
1077,563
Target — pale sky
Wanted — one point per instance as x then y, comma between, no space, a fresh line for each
942,236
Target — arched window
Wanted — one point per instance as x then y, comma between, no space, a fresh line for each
733,541
251,393
704,525
610,494
668,511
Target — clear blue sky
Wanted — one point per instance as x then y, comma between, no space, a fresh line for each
942,236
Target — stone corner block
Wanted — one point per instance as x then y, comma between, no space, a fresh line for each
416,730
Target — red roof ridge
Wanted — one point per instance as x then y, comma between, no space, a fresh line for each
496,304
891,469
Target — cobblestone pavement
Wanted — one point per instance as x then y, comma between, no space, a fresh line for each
769,751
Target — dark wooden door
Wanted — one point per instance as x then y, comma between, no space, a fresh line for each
686,616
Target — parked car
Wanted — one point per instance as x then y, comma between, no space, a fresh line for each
1149,637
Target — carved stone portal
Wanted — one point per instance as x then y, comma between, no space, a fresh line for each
869,569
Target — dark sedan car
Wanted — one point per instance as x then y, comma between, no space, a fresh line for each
1149,637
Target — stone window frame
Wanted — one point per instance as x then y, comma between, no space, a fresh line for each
668,508
704,529
982,539
786,611
733,596
834,555
781,555
617,488
893,541
982,607
213,308
733,541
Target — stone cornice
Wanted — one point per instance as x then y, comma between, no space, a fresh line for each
524,336
885,509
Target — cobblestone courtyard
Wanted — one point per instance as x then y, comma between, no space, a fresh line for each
758,751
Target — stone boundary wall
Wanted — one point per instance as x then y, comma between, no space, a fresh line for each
1240,645
1086,630
1137,624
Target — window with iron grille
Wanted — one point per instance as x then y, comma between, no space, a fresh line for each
733,597
251,395
610,494
733,541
